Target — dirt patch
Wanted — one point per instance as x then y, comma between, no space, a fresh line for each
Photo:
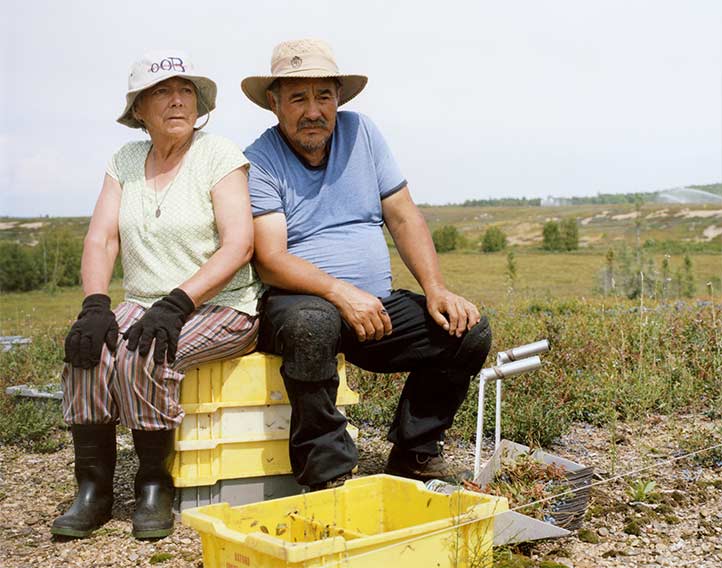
699,213
525,234
712,232
35,225
657,214
587,220
8,225
625,216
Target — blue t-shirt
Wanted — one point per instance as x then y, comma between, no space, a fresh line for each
333,212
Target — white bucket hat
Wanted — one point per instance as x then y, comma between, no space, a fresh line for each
156,66
302,58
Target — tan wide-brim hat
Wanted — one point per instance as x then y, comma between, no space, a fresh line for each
157,66
310,58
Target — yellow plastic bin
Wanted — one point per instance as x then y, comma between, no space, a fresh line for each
206,461
372,522
251,380
235,424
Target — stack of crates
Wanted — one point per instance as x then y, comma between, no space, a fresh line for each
232,445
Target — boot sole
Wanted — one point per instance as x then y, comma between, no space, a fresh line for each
73,533
155,533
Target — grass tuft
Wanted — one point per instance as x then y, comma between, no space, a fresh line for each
34,425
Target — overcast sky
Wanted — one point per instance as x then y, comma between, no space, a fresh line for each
477,99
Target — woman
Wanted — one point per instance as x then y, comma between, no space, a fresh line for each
177,208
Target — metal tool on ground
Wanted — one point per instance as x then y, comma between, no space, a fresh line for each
508,364
49,392
568,512
7,342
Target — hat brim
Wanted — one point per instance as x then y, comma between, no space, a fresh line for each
255,87
206,91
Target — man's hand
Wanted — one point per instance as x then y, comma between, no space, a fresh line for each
454,313
362,311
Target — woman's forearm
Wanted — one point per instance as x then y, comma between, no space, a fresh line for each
96,266
215,274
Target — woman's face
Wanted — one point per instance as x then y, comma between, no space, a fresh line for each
168,108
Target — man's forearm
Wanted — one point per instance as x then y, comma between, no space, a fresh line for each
414,243
289,272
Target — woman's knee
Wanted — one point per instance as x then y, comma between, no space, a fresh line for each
129,364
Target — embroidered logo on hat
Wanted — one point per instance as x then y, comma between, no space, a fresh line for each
296,62
168,64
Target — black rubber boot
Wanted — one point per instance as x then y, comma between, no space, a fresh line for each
153,516
94,446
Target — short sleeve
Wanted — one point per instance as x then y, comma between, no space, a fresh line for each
112,168
225,156
127,161
264,190
389,176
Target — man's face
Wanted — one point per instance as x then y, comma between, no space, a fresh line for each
306,111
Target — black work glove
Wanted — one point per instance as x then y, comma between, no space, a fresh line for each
95,325
163,322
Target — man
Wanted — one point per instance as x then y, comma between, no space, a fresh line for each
323,183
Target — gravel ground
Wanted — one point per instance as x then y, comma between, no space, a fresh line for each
684,528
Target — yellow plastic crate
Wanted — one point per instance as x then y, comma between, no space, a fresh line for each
238,424
233,460
370,522
251,380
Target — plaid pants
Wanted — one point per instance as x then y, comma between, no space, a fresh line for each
134,390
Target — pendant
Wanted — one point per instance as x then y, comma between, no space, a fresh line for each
157,212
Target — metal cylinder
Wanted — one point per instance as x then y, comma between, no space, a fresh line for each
511,369
523,351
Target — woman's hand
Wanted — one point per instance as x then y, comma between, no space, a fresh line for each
95,325
163,322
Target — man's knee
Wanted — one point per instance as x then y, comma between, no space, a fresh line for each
474,348
311,323
310,337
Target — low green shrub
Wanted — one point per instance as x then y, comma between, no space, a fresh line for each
34,425
608,361
494,240
446,238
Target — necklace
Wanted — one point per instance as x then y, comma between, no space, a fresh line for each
155,194
168,187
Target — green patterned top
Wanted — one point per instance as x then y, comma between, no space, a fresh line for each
159,253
